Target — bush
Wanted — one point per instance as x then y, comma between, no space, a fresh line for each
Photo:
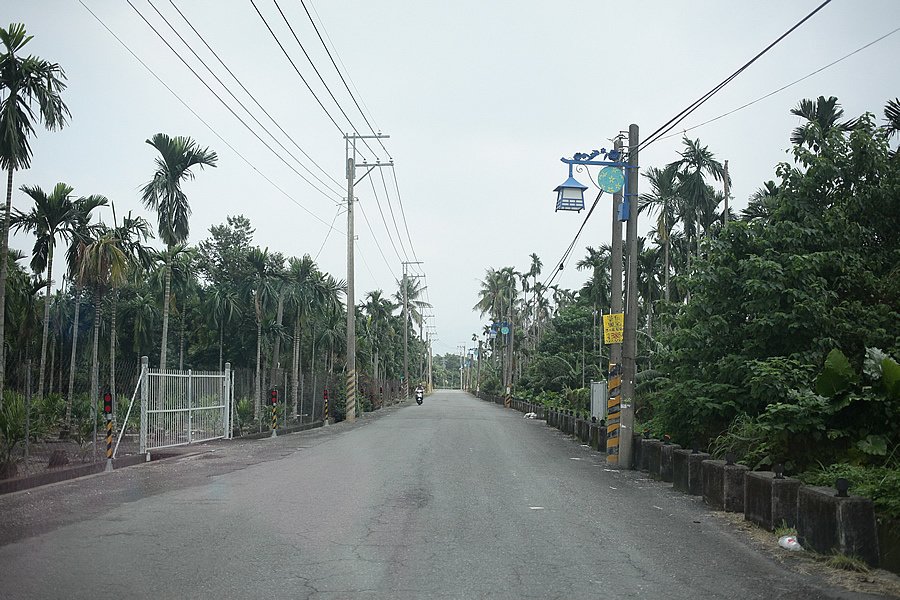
881,484
12,431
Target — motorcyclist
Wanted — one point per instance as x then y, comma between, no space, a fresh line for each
420,391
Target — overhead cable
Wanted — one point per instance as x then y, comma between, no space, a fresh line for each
290,60
782,88
201,119
674,121
252,97
562,261
322,79
375,238
341,75
225,104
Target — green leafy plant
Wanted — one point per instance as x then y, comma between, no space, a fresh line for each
881,484
12,431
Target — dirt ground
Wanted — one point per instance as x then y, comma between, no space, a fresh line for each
39,453
877,581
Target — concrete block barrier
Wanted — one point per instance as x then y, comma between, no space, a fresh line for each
653,450
723,485
768,501
667,452
826,522
645,453
687,471
636,449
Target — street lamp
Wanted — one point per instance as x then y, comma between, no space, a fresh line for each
612,179
570,194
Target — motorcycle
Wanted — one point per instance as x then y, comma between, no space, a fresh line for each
420,397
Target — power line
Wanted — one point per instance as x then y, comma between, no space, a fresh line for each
387,229
403,213
341,75
330,229
674,121
252,97
393,219
784,87
219,98
322,79
377,245
559,265
242,105
290,60
363,257
199,118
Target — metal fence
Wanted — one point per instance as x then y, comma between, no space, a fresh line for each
184,407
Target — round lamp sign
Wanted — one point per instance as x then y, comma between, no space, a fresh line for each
611,179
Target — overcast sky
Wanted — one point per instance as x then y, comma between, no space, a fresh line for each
480,97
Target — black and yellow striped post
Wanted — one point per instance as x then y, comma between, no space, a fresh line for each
273,399
107,410
325,398
613,414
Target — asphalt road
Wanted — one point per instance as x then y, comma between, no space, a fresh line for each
457,498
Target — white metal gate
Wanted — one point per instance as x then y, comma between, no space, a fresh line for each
184,407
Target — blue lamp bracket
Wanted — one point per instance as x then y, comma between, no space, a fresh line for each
610,158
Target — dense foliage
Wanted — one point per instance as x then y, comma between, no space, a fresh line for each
771,296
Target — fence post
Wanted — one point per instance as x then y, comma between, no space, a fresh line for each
190,400
228,403
145,365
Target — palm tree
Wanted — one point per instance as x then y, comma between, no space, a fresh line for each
662,201
378,311
132,234
163,194
259,287
82,233
52,216
822,120
759,206
597,289
104,264
696,199
305,293
24,83
223,306
416,306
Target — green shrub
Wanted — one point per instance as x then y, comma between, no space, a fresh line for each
12,428
881,484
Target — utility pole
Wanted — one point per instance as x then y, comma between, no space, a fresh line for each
478,369
614,381
406,328
727,191
350,161
462,353
629,350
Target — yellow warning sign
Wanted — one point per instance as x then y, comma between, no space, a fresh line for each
613,328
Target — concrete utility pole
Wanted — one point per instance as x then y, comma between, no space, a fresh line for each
727,191
629,350
478,369
406,328
615,350
350,161
462,354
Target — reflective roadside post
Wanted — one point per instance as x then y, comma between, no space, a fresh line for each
273,398
107,411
